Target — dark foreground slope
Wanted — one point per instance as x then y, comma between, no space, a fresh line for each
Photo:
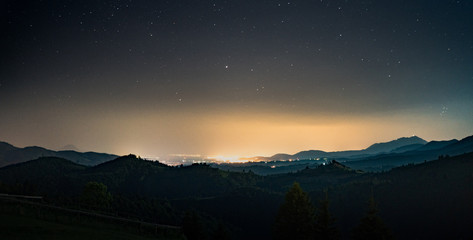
431,200
25,227
49,175
127,175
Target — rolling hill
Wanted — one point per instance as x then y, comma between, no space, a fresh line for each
10,154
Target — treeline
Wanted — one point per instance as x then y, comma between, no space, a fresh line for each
298,219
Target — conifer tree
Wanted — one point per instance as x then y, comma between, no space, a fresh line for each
95,196
295,219
371,226
325,225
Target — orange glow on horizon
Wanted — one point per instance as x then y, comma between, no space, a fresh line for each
228,159
230,137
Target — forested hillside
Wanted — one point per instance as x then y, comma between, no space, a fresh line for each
421,201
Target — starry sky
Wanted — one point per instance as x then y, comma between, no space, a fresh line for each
234,78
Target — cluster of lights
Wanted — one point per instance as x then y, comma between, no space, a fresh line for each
228,159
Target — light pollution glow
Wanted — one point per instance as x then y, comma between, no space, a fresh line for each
231,137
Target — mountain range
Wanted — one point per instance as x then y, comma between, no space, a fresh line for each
423,188
429,151
377,157
377,148
10,154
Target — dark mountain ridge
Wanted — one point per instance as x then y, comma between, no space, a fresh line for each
425,153
433,145
391,145
10,154
374,149
129,162
357,159
4,147
377,157
463,146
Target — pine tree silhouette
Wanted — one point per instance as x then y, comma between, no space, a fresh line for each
371,226
295,219
324,227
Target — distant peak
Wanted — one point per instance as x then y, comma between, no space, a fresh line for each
413,137
391,145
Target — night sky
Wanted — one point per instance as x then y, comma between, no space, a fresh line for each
233,78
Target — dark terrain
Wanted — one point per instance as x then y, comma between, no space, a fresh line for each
427,196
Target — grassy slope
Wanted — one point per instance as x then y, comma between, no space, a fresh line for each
14,226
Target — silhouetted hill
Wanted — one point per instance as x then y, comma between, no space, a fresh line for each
308,154
50,175
377,148
5,147
432,145
50,165
10,154
385,162
17,155
130,175
126,174
128,163
463,146
395,144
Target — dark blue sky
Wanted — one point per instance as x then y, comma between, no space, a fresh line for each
234,77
